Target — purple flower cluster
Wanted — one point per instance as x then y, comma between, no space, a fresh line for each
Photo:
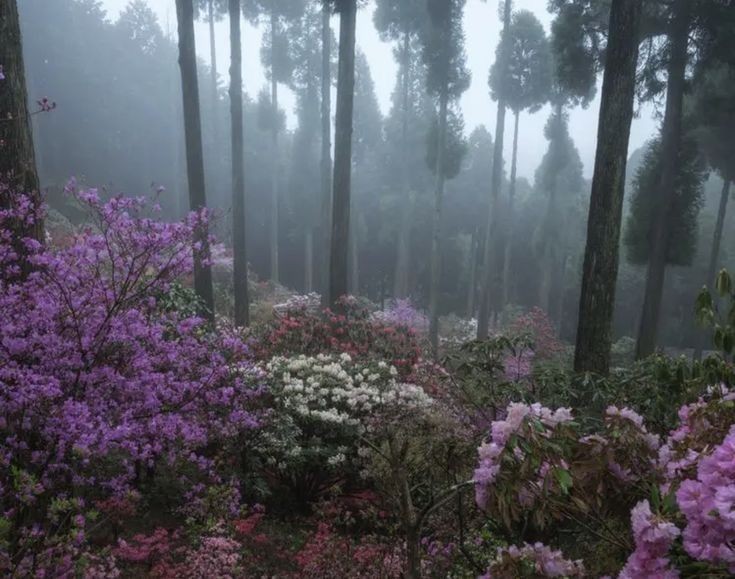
402,312
518,366
653,539
95,380
501,430
546,562
708,503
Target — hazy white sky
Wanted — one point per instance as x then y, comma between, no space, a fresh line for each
482,29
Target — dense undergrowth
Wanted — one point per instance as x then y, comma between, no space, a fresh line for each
138,440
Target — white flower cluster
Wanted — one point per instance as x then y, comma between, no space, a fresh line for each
333,390
311,302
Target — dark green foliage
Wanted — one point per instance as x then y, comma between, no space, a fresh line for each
714,110
267,116
456,145
444,53
527,82
682,242
577,42
367,121
718,313
394,18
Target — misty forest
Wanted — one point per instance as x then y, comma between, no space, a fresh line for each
369,289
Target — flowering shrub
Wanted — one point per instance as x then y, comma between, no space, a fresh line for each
653,539
535,560
708,503
327,555
301,329
536,325
322,406
539,464
402,313
97,384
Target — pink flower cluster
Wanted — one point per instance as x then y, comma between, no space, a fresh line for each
653,539
708,503
546,562
501,430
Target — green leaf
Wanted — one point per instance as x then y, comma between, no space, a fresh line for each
564,478
723,283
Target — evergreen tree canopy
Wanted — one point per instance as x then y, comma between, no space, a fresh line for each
444,52
682,241
526,83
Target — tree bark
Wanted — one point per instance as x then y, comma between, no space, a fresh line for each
339,247
666,188
404,235
511,213
492,235
594,330
436,225
714,256
326,154
213,59
17,158
309,261
194,152
472,269
239,243
275,161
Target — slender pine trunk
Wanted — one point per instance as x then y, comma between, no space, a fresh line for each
436,224
17,157
666,188
239,243
309,261
511,214
714,256
472,274
403,254
213,59
492,235
275,154
594,329
194,149
339,247
326,153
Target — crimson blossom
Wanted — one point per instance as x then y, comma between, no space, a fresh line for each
99,384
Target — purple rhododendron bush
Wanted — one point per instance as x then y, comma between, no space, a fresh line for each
138,439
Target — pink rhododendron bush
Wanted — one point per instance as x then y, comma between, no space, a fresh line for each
668,505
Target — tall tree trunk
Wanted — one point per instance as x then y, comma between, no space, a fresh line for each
511,213
436,225
666,187
492,235
472,275
338,271
404,235
551,230
326,153
239,243
17,158
194,152
275,161
213,59
309,261
594,329
557,313
354,284
714,256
